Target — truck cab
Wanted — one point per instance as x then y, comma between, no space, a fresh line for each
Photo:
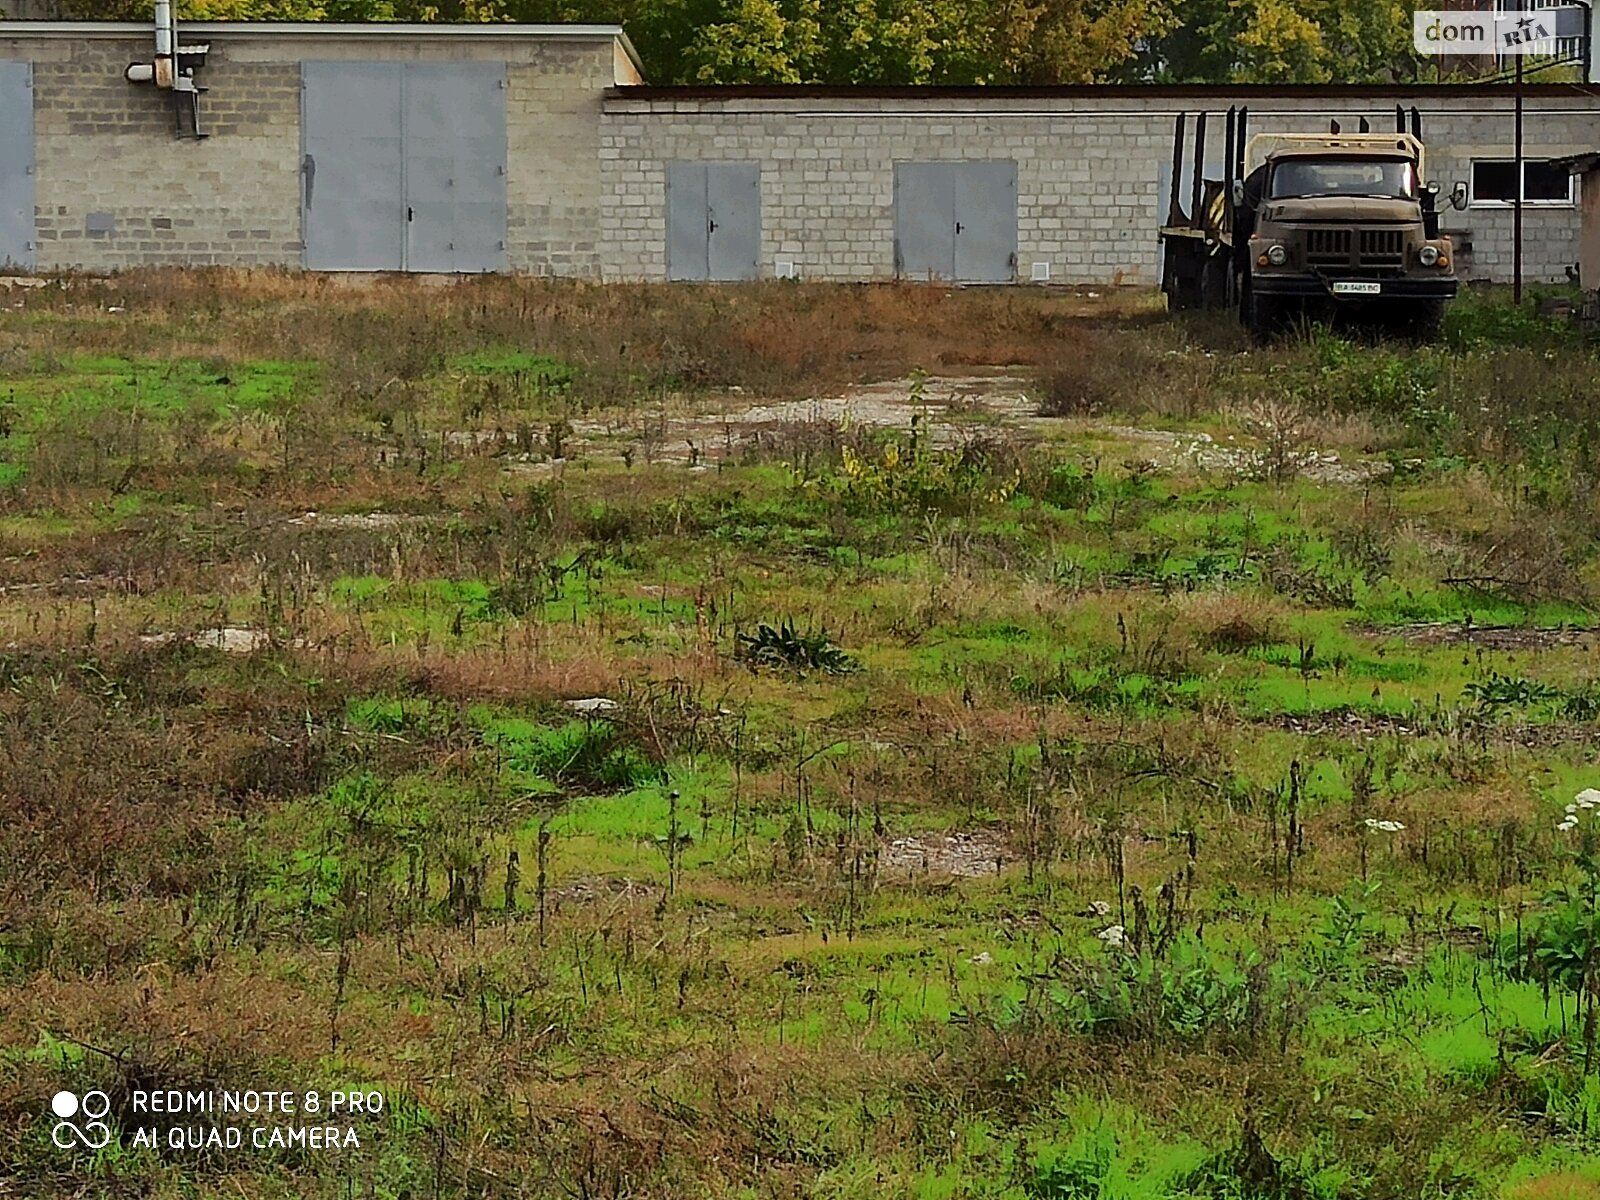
1341,221
1313,223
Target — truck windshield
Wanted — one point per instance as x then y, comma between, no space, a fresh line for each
1343,177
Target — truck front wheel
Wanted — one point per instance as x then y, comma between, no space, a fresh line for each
1426,320
1261,316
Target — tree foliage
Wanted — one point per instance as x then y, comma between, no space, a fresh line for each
926,41
1280,41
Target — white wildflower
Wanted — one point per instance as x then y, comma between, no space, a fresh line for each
1384,826
1112,935
1100,908
1583,802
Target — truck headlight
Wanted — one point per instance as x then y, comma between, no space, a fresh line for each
1428,256
1277,256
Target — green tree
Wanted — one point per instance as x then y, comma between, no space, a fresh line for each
1071,41
870,41
1280,41
806,41
758,42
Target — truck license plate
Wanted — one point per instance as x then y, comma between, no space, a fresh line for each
1357,288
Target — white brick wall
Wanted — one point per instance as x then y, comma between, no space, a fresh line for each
586,168
103,146
1089,173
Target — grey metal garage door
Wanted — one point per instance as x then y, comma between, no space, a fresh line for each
956,220
404,166
16,164
713,220
351,185
455,153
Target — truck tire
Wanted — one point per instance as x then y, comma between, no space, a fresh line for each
1214,282
1184,296
1426,320
1261,316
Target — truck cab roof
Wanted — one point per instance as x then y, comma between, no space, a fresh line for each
1270,147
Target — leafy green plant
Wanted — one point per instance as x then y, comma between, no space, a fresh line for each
1075,1176
1347,926
1562,947
1503,691
587,756
1478,323
1065,485
1193,994
786,647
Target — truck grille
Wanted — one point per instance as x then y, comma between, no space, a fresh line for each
1356,248
1383,247
1328,247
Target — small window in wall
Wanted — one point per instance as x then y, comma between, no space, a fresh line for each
1494,182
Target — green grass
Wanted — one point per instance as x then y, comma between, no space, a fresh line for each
763,928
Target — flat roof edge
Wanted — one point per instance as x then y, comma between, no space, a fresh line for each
370,29
65,29
1394,94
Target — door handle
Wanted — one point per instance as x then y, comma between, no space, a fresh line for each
959,227
711,225
411,214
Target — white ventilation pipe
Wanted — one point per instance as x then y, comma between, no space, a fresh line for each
163,70
166,44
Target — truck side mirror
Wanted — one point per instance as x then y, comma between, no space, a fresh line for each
1238,193
1458,196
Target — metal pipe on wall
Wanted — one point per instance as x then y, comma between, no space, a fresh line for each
166,45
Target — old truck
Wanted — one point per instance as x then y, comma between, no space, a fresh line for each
1310,224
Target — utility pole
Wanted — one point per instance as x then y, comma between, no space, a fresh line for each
1516,207
1591,69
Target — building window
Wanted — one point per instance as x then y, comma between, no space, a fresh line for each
1494,182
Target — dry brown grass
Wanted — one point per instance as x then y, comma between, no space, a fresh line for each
765,337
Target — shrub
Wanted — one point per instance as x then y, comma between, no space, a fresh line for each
786,647
588,756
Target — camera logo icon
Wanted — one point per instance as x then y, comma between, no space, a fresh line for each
90,1129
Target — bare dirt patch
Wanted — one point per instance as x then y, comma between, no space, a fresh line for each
946,411
1359,727
964,854
1201,452
230,639
371,520
597,889
1490,637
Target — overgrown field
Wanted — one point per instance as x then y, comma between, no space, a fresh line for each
1028,747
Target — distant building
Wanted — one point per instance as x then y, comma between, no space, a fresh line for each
538,149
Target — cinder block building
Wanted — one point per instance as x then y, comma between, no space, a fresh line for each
541,150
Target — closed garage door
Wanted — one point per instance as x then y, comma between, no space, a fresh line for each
713,220
16,165
956,220
404,166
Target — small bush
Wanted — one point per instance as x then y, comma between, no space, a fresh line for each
914,478
786,647
1238,634
587,756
